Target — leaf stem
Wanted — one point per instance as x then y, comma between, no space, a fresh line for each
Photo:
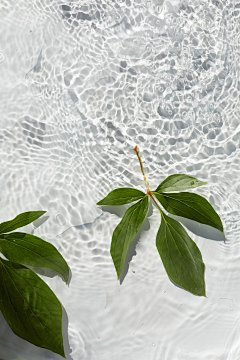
148,190
141,165
156,204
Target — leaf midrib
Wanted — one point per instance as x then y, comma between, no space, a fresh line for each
19,221
167,223
131,215
190,207
16,312
18,245
28,306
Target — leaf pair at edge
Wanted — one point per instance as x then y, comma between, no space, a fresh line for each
183,261
28,304
29,249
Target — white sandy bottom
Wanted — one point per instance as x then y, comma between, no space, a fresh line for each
81,87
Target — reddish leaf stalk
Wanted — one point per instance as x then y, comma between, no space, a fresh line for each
144,176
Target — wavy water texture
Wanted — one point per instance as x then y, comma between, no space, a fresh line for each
82,82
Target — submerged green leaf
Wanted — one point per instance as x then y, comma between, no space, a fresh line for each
20,221
179,182
180,256
30,250
191,206
121,196
30,307
125,232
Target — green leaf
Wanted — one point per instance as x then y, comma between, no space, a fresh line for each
179,182
125,232
20,221
191,206
121,196
30,307
30,250
180,256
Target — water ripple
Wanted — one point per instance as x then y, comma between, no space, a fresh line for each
2,58
82,83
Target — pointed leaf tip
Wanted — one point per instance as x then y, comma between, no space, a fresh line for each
20,220
31,250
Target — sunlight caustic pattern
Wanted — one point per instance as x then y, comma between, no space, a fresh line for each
82,82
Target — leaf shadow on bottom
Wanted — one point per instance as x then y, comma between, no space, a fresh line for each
22,349
66,344
49,273
39,222
202,230
183,288
132,248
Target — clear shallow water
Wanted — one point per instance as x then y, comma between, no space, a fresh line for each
81,84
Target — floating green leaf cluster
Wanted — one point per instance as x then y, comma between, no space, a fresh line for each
28,304
179,253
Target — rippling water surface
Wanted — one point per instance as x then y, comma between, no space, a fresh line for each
81,84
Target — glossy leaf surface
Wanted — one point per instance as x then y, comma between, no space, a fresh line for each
20,221
30,250
30,307
180,256
122,196
191,206
125,232
179,182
